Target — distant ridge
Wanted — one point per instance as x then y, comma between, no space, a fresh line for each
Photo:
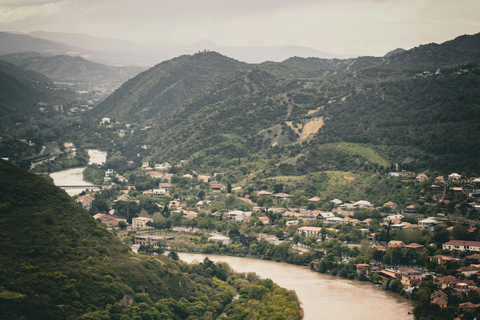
72,68
138,54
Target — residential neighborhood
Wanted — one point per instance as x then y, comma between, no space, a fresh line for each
398,245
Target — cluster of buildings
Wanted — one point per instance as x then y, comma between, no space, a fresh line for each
454,182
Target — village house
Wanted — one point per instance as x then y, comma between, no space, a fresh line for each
189,214
334,220
461,289
468,271
154,174
410,278
140,222
396,243
265,220
441,259
392,219
85,201
436,190
468,189
223,239
421,177
391,205
445,282
460,245
362,266
409,226
281,196
163,167
428,224
263,193
410,209
292,214
350,221
456,178
310,231
216,187
150,239
336,202
363,204
440,298
439,180
467,306
165,185
174,204
107,220
475,256
156,193
366,222
416,246
322,215
236,215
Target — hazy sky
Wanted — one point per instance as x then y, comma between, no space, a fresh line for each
363,27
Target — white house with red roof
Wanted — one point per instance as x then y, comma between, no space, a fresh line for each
265,220
461,245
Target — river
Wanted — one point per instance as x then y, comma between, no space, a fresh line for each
322,296
74,176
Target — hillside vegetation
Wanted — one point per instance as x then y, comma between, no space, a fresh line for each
418,108
57,262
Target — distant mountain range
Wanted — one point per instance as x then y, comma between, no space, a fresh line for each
72,68
119,52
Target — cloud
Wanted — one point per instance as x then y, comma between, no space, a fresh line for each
340,26
26,3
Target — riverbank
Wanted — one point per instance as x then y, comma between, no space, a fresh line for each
74,176
267,252
322,296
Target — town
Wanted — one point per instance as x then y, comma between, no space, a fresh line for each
425,250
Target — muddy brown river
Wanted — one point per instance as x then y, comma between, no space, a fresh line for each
322,296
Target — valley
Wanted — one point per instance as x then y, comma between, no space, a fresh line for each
363,168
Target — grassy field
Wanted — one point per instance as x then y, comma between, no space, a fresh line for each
365,152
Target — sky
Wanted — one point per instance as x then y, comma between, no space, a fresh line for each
347,27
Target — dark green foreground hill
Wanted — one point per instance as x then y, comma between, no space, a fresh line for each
57,262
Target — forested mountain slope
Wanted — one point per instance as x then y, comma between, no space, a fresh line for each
392,105
73,69
57,262
23,92
158,91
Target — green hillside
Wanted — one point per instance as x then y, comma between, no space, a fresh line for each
158,91
309,115
57,262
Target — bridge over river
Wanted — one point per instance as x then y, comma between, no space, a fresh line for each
91,186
